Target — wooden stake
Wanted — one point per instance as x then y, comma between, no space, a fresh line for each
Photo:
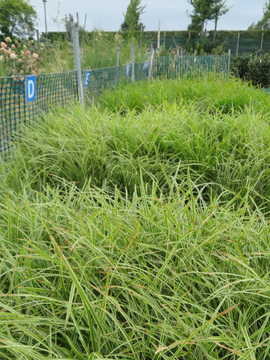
66,21
261,43
165,40
158,44
237,47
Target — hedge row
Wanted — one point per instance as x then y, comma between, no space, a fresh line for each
255,69
149,35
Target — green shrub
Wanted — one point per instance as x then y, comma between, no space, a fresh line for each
254,69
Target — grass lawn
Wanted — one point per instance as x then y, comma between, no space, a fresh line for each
139,228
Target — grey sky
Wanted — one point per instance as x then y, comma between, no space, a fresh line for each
108,14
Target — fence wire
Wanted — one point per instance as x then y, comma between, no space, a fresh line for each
61,89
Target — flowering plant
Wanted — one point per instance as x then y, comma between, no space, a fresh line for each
18,58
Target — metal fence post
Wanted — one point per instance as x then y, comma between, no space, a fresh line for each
151,63
132,62
118,61
229,64
76,49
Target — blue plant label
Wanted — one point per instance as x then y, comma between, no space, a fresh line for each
146,65
30,88
87,78
127,69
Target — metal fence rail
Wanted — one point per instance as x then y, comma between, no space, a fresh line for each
61,89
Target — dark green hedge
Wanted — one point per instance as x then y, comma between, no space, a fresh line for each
254,68
149,35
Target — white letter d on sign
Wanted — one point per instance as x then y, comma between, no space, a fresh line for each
30,87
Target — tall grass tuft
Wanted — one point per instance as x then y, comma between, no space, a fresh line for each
227,151
90,274
143,236
210,94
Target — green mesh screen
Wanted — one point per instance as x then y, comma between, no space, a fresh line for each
109,77
103,79
189,66
248,46
245,45
61,89
140,74
51,90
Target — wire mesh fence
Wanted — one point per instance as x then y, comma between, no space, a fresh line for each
191,66
61,89
51,90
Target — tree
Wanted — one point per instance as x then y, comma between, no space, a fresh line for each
202,11
195,24
219,8
132,17
16,17
264,23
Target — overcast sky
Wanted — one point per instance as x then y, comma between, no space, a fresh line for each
108,14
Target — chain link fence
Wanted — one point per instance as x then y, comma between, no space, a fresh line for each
61,89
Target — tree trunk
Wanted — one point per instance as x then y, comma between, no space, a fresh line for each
216,21
202,29
13,27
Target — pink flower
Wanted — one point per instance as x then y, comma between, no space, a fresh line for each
100,34
35,56
20,60
13,46
27,53
106,34
96,39
3,45
13,56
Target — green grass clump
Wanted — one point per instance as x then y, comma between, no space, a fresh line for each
230,152
87,274
214,95
144,236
